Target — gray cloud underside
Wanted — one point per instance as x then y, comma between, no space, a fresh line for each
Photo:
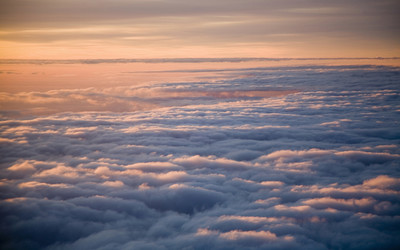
106,10
178,21
314,169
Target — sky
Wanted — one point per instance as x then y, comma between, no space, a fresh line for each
67,29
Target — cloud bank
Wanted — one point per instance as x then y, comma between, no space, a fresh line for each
315,168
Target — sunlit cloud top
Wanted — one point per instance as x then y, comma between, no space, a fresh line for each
177,28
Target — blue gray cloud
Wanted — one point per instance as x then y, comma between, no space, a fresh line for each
314,168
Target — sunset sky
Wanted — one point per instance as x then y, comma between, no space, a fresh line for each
67,29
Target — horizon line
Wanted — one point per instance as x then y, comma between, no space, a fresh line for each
180,60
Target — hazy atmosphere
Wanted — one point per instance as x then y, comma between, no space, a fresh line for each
191,28
168,124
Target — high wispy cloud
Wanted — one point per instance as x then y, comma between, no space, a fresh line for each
315,167
277,28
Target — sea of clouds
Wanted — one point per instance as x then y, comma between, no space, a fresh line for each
272,158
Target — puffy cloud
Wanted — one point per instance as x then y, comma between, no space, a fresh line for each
384,182
317,168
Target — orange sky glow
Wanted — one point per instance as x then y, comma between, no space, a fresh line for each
64,29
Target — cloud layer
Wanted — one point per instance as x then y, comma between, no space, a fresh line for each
313,168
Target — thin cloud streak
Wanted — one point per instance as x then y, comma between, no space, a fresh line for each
182,60
170,28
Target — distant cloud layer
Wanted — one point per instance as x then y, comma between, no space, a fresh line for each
313,166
